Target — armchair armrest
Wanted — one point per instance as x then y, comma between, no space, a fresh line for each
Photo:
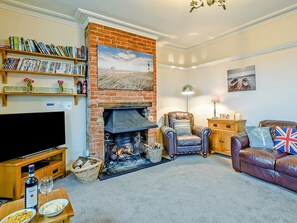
169,139
203,132
239,141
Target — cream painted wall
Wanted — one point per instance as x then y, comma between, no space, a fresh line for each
274,97
278,32
47,31
169,98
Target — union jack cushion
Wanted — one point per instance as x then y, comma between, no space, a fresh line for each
285,140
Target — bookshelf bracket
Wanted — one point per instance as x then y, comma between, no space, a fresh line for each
4,77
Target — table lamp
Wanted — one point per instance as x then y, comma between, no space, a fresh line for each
215,99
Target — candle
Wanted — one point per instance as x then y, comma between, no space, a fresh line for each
232,115
237,116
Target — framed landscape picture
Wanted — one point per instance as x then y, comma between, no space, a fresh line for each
124,69
242,79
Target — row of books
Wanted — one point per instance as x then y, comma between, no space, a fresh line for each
31,45
34,65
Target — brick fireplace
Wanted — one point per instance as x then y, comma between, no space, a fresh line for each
100,100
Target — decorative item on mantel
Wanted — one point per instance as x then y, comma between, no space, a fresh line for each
29,84
61,88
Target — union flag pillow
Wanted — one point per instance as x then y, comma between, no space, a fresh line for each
285,140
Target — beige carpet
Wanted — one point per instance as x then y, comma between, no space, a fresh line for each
189,189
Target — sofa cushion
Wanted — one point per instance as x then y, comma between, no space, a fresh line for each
259,136
285,140
261,157
287,165
182,127
191,140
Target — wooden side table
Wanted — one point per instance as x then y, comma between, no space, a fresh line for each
222,130
63,217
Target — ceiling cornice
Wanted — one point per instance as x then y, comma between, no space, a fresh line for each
84,17
233,58
249,26
38,12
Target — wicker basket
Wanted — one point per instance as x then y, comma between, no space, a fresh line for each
155,155
88,174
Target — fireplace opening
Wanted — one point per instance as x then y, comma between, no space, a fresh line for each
126,136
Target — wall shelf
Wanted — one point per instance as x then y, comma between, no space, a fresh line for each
5,51
5,71
5,94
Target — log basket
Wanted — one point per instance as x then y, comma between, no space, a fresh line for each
89,173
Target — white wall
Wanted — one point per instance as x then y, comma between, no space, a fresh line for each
274,97
18,24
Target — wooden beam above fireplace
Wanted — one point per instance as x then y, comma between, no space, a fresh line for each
114,105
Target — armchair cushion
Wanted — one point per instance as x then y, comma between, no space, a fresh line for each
188,140
182,127
259,137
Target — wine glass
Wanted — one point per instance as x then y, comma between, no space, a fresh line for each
46,184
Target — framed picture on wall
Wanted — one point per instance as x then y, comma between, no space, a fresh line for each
124,69
242,79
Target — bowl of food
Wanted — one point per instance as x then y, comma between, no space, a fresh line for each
53,208
21,216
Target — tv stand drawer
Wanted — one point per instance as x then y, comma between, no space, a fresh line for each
56,170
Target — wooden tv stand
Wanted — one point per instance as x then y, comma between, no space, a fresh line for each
13,173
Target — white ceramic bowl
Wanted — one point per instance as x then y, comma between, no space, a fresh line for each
14,213
64,203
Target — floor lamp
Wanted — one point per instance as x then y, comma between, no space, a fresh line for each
187,90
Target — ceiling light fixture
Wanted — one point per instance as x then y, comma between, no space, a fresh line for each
195,4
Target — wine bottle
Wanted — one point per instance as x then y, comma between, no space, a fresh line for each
84,89
31,189
79,87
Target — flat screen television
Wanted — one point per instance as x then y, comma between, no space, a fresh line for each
24,134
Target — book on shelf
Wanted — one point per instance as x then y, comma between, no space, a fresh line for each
31,45
43,67
8,63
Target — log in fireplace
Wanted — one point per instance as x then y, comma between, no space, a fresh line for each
126,133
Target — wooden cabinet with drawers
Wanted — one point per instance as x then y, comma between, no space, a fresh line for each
222,130
14,173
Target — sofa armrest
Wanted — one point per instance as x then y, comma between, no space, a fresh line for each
203,132
169,139
239,141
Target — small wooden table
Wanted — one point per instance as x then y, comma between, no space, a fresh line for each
64,217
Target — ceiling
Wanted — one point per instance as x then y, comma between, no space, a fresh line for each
171,21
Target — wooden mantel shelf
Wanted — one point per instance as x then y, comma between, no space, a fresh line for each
110,105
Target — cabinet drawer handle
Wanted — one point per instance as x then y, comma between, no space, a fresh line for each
215,125
55,170
228,126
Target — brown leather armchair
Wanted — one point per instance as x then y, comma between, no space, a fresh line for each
197,141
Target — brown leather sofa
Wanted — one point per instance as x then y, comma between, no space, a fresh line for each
266,164
198,142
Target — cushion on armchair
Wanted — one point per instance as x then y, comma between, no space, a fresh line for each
259,137
182,127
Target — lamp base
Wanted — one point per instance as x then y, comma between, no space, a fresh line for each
215,118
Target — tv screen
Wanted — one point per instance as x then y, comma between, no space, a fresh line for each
27,133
